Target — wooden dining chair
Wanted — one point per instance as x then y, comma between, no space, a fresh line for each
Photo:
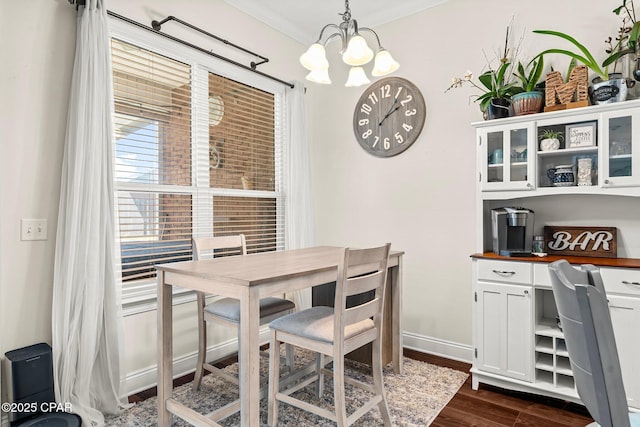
227,310
336,331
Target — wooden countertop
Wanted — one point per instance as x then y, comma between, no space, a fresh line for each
600,262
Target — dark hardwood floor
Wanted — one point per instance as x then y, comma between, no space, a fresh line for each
486,407
492,406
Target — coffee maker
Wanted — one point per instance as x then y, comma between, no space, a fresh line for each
512,231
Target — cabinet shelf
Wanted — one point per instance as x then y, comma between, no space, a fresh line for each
568,151
549,328
620,157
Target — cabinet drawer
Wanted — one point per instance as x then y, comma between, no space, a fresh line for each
505,271
621,280
541,277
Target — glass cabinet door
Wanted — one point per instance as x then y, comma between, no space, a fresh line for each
507,158
621,151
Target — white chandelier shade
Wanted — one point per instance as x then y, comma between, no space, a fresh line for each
355,52
357,77
319,76
358,52
384,63
315,58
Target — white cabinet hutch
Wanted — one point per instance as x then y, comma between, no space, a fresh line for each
517,342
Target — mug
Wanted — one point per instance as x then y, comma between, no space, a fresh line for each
561,176
495,157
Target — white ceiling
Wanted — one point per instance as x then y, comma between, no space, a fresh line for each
303,19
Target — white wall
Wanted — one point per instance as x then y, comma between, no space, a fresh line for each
422,200
36,41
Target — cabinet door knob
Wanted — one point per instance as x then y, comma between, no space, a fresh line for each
526,292
606,181
631,283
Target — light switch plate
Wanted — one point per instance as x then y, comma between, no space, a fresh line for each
33,229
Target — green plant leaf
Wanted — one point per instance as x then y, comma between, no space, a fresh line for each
592,65
501,71
536,73
587,59
615,56
486,79
634,34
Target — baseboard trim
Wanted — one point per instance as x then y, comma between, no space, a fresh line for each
449,349
144,379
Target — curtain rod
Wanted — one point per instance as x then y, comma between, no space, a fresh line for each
198,48
157,25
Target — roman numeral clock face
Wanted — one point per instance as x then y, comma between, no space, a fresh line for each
389,116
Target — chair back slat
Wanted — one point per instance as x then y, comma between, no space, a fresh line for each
361,284
363,311
234,245
362,257
363,271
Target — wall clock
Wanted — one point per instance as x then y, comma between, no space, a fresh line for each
389,116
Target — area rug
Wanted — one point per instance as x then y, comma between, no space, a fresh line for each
415,398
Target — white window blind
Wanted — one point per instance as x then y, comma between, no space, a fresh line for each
197,154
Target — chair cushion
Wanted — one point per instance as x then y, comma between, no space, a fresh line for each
229,308
317,323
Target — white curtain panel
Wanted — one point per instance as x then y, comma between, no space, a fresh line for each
85,307
299,216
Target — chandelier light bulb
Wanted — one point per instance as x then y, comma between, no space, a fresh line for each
357,77
357,52
315,58
384,64
319,76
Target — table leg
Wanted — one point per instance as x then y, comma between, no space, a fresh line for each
396,310
249,358
165,350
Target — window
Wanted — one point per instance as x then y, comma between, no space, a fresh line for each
198,153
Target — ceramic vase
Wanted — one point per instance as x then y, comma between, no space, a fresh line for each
527,103
498,108
584,171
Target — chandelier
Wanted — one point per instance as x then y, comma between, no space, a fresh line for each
355,52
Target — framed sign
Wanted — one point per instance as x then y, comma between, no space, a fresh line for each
581,135
599,242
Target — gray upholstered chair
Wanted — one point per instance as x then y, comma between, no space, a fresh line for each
586,323
336,331
227,310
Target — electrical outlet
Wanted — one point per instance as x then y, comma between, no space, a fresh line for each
33,229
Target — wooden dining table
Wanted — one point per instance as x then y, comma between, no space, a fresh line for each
250,278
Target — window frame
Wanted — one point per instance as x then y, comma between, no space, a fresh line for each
141,296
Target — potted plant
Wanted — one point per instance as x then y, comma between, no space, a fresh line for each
496,84
605,88
529,100
497,87
626,41
550,139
